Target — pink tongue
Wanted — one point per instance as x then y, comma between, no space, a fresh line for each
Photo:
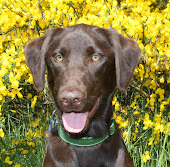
74,122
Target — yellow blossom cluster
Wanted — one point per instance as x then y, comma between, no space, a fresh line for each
146,156
147,22
7,160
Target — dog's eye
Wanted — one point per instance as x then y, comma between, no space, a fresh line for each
95,58
59,57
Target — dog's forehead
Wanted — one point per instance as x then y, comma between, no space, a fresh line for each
77,39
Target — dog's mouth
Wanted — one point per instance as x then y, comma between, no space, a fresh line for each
75,122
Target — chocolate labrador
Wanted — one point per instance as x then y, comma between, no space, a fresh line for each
85,65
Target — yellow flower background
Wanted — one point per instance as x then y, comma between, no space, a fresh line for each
143,113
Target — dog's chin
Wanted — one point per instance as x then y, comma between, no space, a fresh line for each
77,122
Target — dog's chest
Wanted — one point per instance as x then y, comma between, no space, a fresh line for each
94,157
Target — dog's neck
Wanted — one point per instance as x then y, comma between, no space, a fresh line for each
84,141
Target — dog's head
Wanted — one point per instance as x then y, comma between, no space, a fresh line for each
84,63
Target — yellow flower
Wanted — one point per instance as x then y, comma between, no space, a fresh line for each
7,160
168,81
114,100
25,151
31,143
162,107
19,94
13,111
3,90
124,110
151,139
134,136
153,84
15,84
30,79
114,115
17,165
124,134
136,112
34,101
29,96
162,80
117,106
146,156
17,41
33,151
125,123
1,133
147,122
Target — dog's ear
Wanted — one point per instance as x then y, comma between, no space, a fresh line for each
35,57
127,53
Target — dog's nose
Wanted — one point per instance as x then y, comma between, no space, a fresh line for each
71,97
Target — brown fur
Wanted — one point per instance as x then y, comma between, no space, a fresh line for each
77,82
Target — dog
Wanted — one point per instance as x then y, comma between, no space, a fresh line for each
85,65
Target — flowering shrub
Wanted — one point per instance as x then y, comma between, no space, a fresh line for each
143,109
